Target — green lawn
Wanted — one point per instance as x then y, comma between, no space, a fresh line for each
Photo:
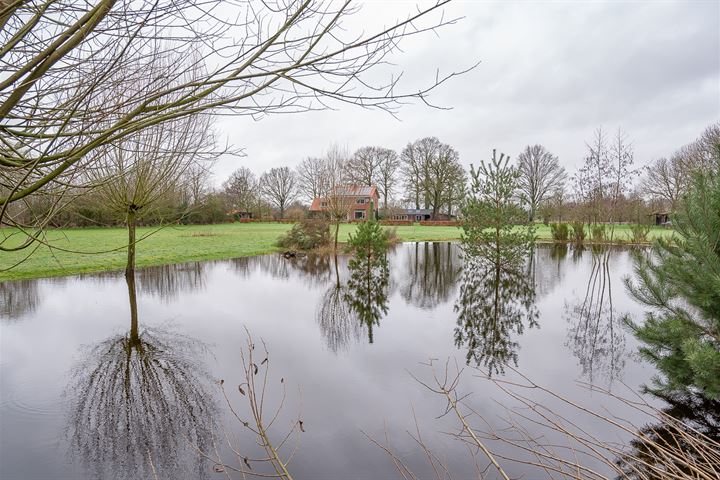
179,244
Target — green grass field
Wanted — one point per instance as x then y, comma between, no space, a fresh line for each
99,249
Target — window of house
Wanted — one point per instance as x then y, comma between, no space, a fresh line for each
323,204
360,200
359,214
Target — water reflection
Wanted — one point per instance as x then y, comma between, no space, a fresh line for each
312,269
149,383
431,272
140,404
169,281
495,303
547,267
335,317
18,298
366,292
595,333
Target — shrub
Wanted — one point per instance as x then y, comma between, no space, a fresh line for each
639,233
391,234
559,231
598,232
307,235
578,232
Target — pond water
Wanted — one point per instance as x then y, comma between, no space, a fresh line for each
76,403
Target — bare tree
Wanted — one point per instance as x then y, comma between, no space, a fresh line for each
196,182
441,174
279,186
60,60
664,179
541,175
137,174
667,179
336,204
363,167
387,177
704,153
414,158
312,178
432,173
622,174
242,189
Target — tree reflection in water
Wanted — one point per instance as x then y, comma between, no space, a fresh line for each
169,281
140,404
595,332
18,298
345,308
337,323
496,300
366,292
432,271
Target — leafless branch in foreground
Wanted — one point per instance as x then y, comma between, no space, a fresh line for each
551,441
59,59
257,388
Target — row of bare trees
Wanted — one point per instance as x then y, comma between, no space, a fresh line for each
607,188
439,182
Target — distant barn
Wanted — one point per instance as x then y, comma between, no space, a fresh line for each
660,218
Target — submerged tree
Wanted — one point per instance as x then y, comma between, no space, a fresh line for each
679,281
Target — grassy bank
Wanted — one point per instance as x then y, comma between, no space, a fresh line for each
184,243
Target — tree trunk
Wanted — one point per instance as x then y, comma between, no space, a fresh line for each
130,277
131,223
337,231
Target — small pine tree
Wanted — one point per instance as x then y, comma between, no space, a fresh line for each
490,212
370,240
680,282
369,274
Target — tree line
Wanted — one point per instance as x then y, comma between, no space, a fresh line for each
426,174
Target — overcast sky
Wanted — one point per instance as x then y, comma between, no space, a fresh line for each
550,73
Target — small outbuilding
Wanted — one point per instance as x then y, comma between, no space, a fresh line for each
660,218
240,214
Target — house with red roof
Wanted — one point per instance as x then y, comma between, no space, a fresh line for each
357,202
